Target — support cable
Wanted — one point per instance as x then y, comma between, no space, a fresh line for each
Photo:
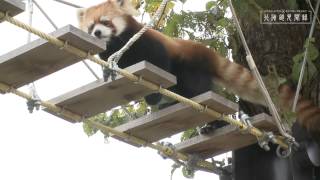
82,54
305,58
68,3
257,75
56,27
34,102
90,69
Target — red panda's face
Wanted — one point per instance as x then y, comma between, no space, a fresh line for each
107,19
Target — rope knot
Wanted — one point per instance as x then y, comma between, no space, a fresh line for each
167,151
3,15
65,45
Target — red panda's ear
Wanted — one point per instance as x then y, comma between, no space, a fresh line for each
127,7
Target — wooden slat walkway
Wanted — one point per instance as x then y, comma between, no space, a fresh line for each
40,58
176,118
100,96
13,7
224,139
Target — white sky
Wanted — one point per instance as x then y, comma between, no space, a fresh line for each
41,146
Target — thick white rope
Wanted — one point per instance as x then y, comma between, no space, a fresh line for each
305,58
115,57
258,77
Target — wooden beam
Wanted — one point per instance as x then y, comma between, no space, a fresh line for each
225,139
40,58
13,7
176,118
100,96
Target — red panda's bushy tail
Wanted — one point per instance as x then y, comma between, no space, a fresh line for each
241,81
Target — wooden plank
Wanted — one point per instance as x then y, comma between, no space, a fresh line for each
224,139
100,96
13,7
176,118
40,58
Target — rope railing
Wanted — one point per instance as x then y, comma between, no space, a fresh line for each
167,151
140,80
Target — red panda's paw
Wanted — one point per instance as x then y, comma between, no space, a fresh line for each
308,115
313,124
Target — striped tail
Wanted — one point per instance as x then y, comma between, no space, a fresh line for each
240,80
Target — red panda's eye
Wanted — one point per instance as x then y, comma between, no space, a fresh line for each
106,23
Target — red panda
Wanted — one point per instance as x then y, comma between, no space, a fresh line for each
194,65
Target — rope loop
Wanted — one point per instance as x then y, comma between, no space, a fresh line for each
192,162
83,118
88,55
2,18
205,108
9,90
139,80
62,109
168,150
6,14
65,45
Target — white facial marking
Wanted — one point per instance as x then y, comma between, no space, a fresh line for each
119,24
105,32
104,18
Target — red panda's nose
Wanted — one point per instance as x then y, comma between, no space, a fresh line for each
97,33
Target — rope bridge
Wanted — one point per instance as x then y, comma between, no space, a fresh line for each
166,150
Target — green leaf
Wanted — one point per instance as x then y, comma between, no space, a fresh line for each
222,22
88,129
310,71
189,134
313,52
188,173
210,4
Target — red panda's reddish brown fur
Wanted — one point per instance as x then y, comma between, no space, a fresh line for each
233,76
